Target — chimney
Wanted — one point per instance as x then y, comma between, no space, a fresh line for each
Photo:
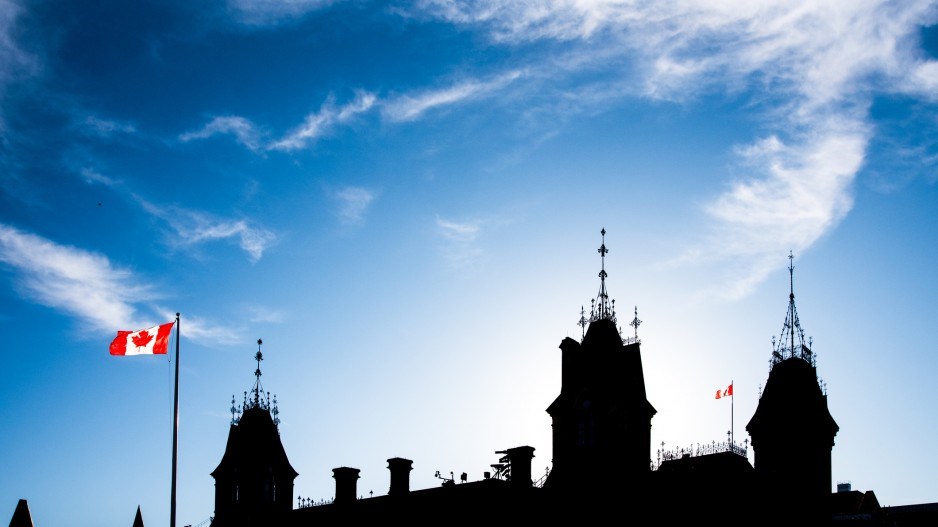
346,481
400,475
519,458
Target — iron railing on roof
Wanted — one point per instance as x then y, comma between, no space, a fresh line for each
715,447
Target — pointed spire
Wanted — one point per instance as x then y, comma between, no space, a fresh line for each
791,343
257,397
601,308
21,515
138,520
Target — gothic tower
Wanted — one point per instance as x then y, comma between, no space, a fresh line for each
254,480
792,430
602,419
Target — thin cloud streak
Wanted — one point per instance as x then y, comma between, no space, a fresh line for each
92,177
263,314
78,282
402,108
15,62
271,12
197,329
353,203
411,107
100,127
460,246
322,122
195,227
242,129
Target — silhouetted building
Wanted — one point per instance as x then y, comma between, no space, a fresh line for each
601,468
21,516
792,430
254,480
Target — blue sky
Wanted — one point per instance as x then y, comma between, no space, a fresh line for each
404,199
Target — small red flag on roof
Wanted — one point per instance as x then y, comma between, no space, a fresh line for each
728,392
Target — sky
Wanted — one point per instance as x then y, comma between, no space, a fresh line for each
404,201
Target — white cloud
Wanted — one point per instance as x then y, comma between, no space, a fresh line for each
88,286
15,62
353,202
267,12
923,80
92,176
814,65
208,333
458,232
264,314
195,227
79,282
801,192
106,127
322,122
243,129
410,107
460,247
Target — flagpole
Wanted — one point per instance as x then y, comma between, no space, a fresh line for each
172,503
732,402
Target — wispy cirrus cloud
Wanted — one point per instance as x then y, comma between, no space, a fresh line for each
322,122
813,67
79,282
244,131
460,241
802,191
192,227
92,176
404,107
269,12
352,204
98,126
88,286
195,227
409,107
265,314
199,329
15,61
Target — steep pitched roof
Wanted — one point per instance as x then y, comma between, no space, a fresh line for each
21,516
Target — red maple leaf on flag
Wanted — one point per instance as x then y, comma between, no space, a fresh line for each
142,339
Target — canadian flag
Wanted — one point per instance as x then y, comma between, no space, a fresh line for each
150,341
728,392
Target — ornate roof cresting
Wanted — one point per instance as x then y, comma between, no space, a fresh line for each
256,397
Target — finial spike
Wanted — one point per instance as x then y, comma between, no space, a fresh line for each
602,307
257,399
635,323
